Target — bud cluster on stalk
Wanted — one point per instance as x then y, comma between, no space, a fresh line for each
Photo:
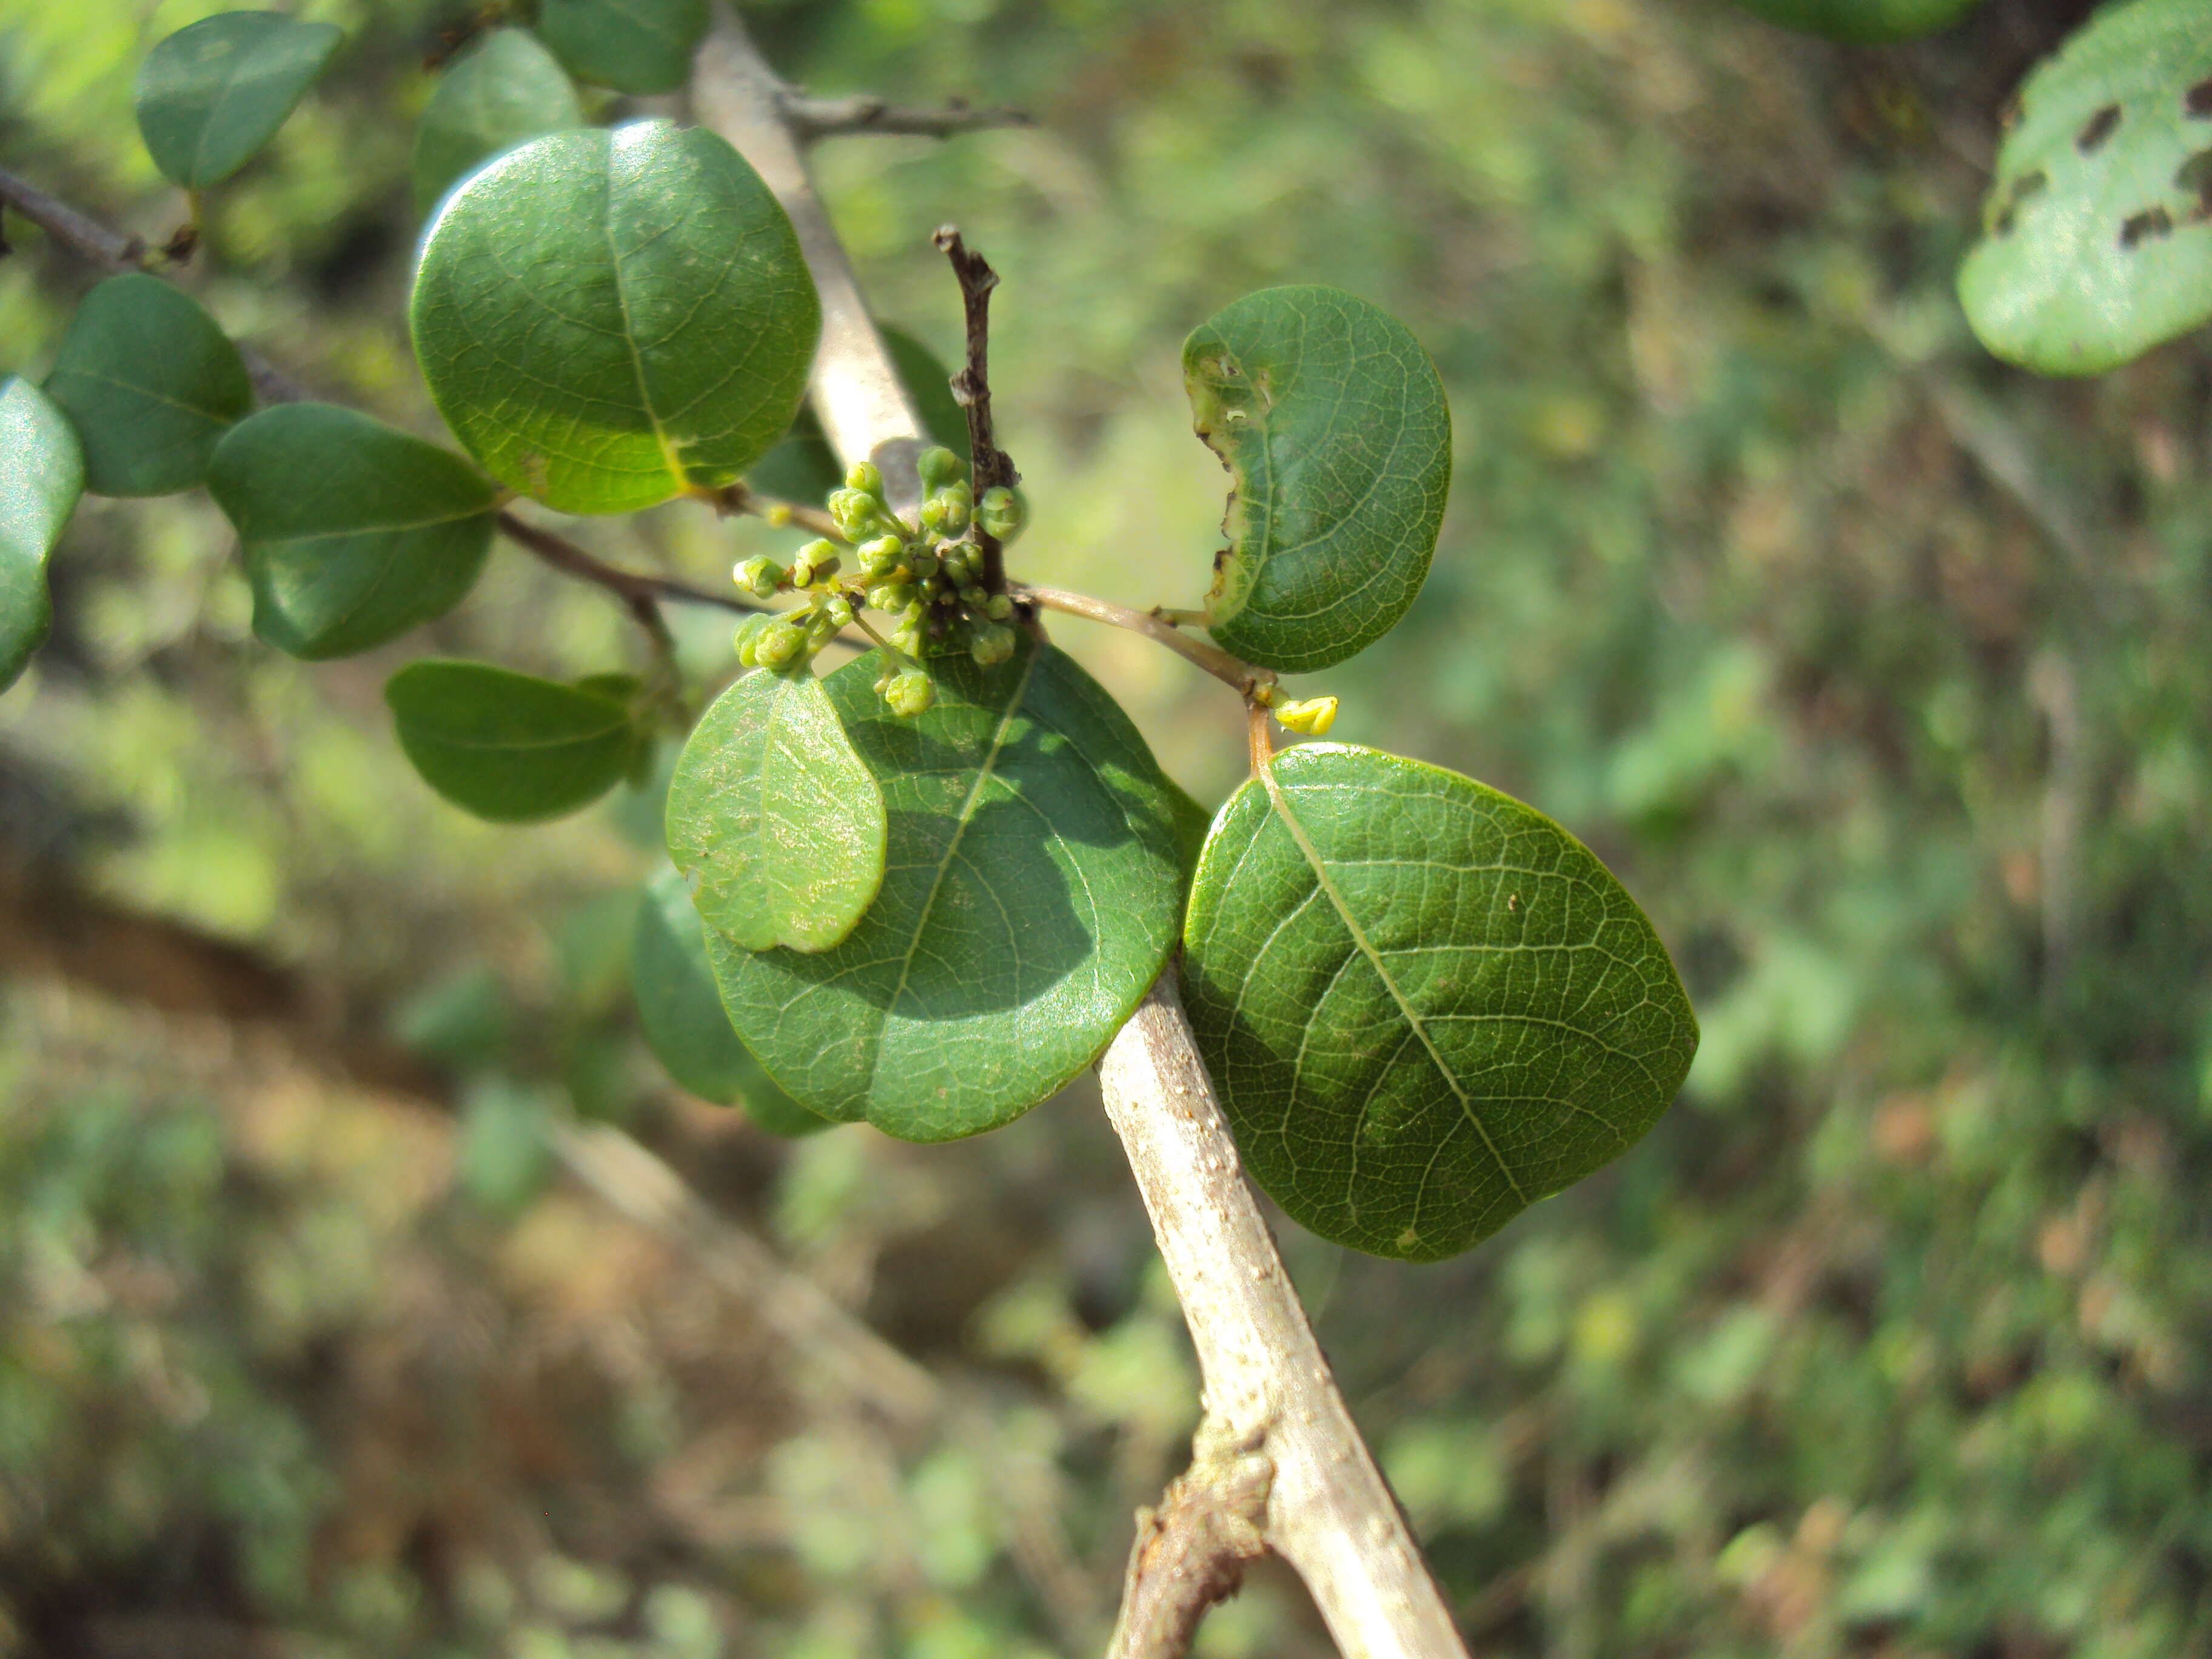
927,577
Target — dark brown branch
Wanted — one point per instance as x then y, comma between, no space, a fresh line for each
993,467
813,118
642,594
88,239
1190,1554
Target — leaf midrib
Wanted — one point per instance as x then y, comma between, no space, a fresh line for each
1281,805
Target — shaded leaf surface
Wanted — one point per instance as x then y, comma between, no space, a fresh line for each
509,747
607,318
214,93
1862,22
353,531
631,45
681,1014
1332,422
504,89
1426,1005
41,476
773,817
2098,243
151,384
1028,900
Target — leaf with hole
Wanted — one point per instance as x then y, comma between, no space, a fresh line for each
41,476
774,819
608,319
1426,1005
681,1014
1030,898
1862,22
631,45
506,88
214,93
353,531
2097,241
513,748
151,384
1332,422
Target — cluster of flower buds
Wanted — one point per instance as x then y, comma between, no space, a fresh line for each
926,576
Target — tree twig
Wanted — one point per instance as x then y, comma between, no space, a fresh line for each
814,119
993,468
88,239
1229,669
1190,1554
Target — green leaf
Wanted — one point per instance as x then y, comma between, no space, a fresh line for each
1192,823
354,533
608,319
1332,422
151,384
504,89
2097,232
774,819
1030,899
631,45
681,1016
41,476
215,92
511,747
1426,1005
1862,22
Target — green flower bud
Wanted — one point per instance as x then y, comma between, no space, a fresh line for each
858,515
999,514
821,570
890,596
1313,717
924,565
759,576
954,502
838,611
878,556
746,638
910,694
998,608
939,467
991,645
863,477
779,643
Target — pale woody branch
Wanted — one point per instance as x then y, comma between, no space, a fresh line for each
812,118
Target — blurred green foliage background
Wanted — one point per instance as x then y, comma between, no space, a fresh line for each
1879,672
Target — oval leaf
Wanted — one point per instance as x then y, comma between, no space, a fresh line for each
2097,233
1426,1005
607,318
681,1016
215,92
1332,422
1862,22
632,45
151,384
354,533
512,747
1029,902
773,819
41,476
504,89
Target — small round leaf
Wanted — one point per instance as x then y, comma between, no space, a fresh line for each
215,92
774,819
151,384
1426,1005
41,476
504,89
2097,243
1862,22
608,319
681,1016
353,531
631,45
1332,422
511,747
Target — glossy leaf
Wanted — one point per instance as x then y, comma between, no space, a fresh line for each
151,384
773,819
631,45
1332,422
608,319
1862,22
505,87
512,747
2098,239
353,531
1426,1005
681,1014
214,93
41,476
1030,899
